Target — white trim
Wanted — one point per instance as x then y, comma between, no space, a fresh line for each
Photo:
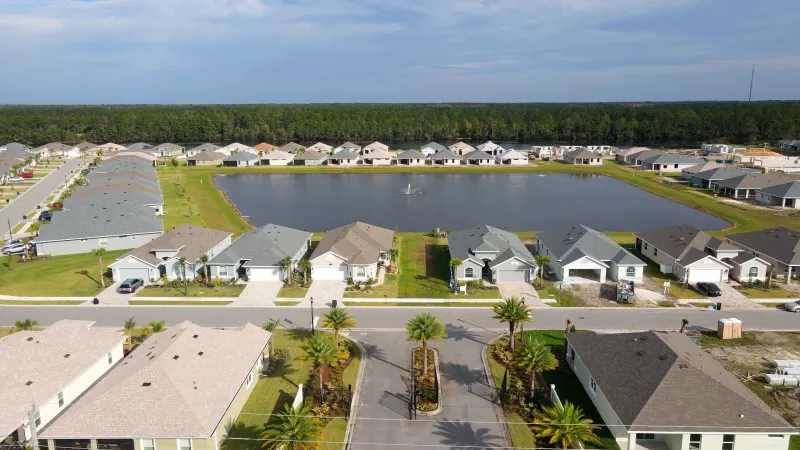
178,442
338,256
141,444
705,257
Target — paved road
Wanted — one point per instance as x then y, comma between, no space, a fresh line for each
394,318
31,198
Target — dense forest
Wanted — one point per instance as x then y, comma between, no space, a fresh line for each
620,124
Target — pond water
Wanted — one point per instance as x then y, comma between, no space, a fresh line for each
517,202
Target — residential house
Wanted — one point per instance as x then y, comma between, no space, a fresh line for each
603,150
479,158
87,148
689,172
779,246
351,251
292,147
431,148
490,253
792,145
236,147
321,147
14,147
622,154
257,254
311,158
348,146
47,371
767,159
377,158
207,147
241,159
686,252
587,254
445,158
660,390
374,147
584,157
724,149
707,178
276,158
205,158
182,389
785,195
167,149
545,151
161,256
343,158
102,192
139,146
460,148
411,158
264,147
491,148
669,163
110,148
512,158
51,149
746,186
637,158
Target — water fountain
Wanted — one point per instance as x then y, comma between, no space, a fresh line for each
409,191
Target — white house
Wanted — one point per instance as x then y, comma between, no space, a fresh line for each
512,158
433,147
687,252
167,149
461,148
310,158
374,147
479,158
491,148
344,158
411,158
351,251
377,158
445,158
667,162
348,146
237,148
779,246
491,253
207,147
583,157
46,371
785,195
277,158
241,159
257,255
660,390
321,147
724,149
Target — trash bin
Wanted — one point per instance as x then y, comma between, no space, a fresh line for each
719,306
96,301
334,303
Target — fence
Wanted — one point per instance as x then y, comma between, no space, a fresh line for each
298,399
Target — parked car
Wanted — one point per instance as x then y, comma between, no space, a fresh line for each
17,248
16,179
792,306
26,175
45,216
58,205
130,285
709,289
12,242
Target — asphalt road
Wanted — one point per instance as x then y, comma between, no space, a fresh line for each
395,318
31,198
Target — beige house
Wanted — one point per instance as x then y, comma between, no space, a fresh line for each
320,147
182,389
351,251
377,158
373,147
276,158
479,158
460,148
206,158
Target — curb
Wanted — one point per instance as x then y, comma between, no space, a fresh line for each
348,434
501,418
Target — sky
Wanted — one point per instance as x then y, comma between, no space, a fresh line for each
344,51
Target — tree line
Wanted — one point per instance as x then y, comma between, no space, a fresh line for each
686,123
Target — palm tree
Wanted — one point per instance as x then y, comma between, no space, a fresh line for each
684,322
320,351
25,325
541,261
392,254
291,430
130,324
286,264
769,276
566,427
204,259
271,326
156,326
182,262
338,319
533,356
454,263
513,311
99,252
305,266
423,328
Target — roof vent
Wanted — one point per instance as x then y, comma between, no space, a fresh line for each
663,357
195,336
29,339
175,357
28,383
199,353
147,384
683,366
641,353
66,356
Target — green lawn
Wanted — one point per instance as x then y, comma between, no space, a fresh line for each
676,288
774,292
292,291
177,303
272,392
57,276
287,302
194,290
563,296
416,304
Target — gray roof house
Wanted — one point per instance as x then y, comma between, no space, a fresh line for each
669,163
583,156
587,254
431,147
205,158
310,158
445,158
779,246
14,147
207,147
241,159
343,158
489,252
637,157
664,391
785,195
167,149
292,147
161,256
479,158
348,146
707,178
746,186
256,255
411,158
139,146
688,172
351,251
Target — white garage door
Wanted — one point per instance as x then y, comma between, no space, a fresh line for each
266,274
130,272
512,276
712,275
330,273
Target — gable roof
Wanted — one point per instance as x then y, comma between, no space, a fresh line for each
291,147
344,154
320,147
277,154
462,147
668,158
377,154
703,167
348,146
643,154
411,154
723,173
191,242
15,147
665,381
786,190
376,146
206,147
780,243
97,219
684,243
139,146
241,156
263,247
264,146
169,146
311,154
489,145
357,242
84,146
512,154
435,146
50,360
236,147
477,154
185,378
446,154
485,238
52,146
581,153
754,181
206,155
589,242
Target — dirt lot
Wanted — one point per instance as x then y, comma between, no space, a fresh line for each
752,356
593,294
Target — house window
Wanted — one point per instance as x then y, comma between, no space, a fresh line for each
184,444
148,444
37,418
655,251
468,272
222,271
753,272
592,385
110,358
361,272
645,436
645,245
103,242
60,399
383,255
249,378
727,441
695,441
630,271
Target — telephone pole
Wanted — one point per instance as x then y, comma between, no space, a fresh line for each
752,75
34,442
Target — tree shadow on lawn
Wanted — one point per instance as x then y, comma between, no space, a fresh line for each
462,436
242,430
86,274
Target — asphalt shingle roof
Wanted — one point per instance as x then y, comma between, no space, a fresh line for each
311,155
263,247
668,158
512,154
485,238
684,243
169,146
411,154
344,154
702,167
781,243
139,146
191,242
786,190
755,181
376,154
723,173
241,156
206,155
435,146
589,242
277,154
446,154
357,242
477,154
291,147
581,154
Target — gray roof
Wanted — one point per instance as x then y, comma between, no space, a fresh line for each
435,146
778,243
723,173
110,194
52,146
190,241
786,190
206,155
357,242
263,247
446,154
668,158
477,154
15,147
311,155
643,154
581,153
349,146
241,156
169,146
512,154
91,221
344,154
464,243
702,167
139,146
411,154
83,146
684,243
587,242
291,147
206,147
665,381
755,181
4,168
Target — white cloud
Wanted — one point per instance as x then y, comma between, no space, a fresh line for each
35,24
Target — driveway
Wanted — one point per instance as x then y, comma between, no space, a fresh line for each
523,291
733,299
259,293
110,296
469,418
324,291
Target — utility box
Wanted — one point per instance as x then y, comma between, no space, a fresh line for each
729,329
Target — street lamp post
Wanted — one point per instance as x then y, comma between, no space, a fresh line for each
10,236
312,316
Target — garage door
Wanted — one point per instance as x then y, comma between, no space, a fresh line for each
513,276
712,275
330,273
265,274
130,272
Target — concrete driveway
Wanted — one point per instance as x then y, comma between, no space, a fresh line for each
324,291
523,291
110,296
733,299
259,293
469,417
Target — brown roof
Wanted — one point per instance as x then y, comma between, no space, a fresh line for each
264,147
358,242
191,242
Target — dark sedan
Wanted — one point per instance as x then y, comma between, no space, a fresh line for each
709,289
130,285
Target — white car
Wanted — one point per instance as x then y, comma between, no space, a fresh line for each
12,242
16,248
792,306
16,179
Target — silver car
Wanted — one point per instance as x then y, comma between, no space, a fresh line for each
792,306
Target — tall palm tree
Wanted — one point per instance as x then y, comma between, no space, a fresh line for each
271,326
130,324
684,322
454,263
99,252
541,261
292,429
513,311
338,319
182,262
392,254
319,350
305,266
566,427
25,325
534,357
204,259
424,328
286,264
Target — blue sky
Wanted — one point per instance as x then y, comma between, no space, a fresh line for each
301,51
